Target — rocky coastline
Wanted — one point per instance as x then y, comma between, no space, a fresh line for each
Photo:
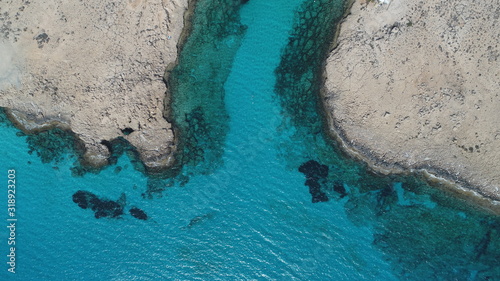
412,87
95,68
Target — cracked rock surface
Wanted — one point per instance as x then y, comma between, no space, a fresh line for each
416,84
95,67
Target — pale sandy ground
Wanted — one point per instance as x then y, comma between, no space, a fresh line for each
95,66
415,85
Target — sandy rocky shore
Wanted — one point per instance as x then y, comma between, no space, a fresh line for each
95,67
414,85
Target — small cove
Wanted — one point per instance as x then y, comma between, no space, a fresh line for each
241,209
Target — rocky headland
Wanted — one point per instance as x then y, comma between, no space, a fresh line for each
93,67
414,86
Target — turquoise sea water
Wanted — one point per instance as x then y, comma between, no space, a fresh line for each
239,209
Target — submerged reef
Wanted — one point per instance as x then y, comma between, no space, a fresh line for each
196,85
55,144
138,213
340,189
316,174
298,82
299,74
105,208
52,145
101,207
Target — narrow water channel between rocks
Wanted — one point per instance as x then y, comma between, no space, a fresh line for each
261,192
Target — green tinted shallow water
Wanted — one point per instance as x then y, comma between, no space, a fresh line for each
246,104
201,117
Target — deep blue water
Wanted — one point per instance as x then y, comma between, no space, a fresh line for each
240,209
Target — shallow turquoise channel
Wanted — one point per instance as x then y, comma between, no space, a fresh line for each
247,215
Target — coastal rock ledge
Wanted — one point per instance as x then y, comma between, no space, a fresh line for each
94,67
414,85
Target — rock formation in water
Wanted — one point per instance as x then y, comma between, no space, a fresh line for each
101,207
340,189
316,174
94,67
138,213
414,85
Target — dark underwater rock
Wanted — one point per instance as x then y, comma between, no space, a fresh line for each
340,189
52,145
316,174
386,191
199,219
155,188
315,190
317,194
99,214
138,213
386,197
118,169
101,207
314,170
82,198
